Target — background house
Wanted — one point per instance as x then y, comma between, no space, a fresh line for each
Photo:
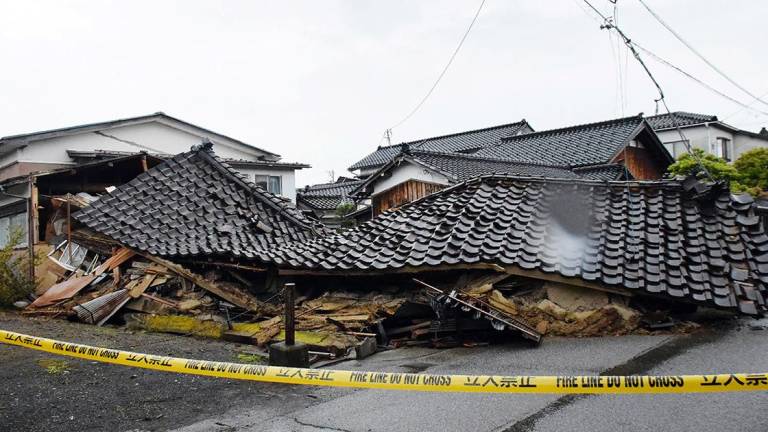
462,142
705,132
323,199
158,134
625,148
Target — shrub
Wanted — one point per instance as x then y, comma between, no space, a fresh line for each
14,271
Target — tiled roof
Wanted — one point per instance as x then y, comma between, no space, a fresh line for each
682,118
457,142
460,167
106,154
588,144
606,172
651,238
327,196
196,204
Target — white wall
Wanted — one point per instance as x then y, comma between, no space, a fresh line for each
745,143
704,137
409,171
153,137
288,179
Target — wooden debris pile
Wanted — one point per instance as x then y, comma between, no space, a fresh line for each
148,293
556,309
92,289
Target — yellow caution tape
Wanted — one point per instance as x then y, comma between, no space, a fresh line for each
403,381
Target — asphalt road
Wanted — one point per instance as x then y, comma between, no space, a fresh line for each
88,396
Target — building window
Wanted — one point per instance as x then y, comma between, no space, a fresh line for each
677,148
272,184
10,224
722,148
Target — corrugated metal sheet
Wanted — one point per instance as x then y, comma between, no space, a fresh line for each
99,310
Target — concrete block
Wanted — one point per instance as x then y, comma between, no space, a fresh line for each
365,348
296,355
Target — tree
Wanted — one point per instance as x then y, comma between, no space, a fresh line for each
718,168
752,168
749,173
343,210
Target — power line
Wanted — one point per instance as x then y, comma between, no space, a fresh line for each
445,69
697,80
698,54
610,25
749,105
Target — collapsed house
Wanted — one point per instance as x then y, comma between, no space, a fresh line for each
196,246
674,241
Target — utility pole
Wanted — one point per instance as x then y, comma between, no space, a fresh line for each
388,136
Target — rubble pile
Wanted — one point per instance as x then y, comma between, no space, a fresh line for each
147,293
150,294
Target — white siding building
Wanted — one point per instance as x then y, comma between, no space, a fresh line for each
157,133
705,132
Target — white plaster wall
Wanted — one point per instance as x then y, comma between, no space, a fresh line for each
744,143
288,179
365,172
153,137
409,171
700,137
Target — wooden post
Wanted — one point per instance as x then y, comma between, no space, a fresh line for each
290,319
31,226
69,229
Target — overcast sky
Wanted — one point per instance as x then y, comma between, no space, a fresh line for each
319,81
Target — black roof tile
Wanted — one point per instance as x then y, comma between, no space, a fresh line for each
678,118
327,196
214,210
624,243
574,146
457,142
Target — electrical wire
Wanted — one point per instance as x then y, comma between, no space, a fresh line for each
698,54
697,80
609,25
749,106
445,69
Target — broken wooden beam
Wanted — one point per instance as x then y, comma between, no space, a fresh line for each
236,297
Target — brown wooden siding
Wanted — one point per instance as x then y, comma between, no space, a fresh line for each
403,193
641,163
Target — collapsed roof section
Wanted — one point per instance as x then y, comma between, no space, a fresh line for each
196,204
671,239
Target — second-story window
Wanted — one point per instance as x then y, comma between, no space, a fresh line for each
272,184
723,148
677,148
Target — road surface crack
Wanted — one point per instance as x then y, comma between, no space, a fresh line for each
320,427
634,366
